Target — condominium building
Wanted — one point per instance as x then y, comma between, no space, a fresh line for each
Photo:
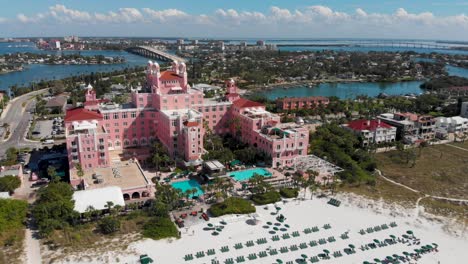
372,131
411,127
296,103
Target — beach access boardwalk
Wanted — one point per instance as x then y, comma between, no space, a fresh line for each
151,52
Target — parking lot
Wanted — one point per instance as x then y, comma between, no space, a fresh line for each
48,129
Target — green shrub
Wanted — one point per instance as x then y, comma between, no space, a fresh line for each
289,192
232,205
9,183
159,228
109,225
266,198
12,216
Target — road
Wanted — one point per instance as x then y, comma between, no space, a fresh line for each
17,117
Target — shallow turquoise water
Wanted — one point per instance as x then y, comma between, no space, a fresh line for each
245,175
188,185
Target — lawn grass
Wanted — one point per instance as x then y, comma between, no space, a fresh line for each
440,170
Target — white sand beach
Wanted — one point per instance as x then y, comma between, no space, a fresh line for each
354,214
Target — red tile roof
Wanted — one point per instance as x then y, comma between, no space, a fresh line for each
370,125
79,114
190,123
242,102
169,76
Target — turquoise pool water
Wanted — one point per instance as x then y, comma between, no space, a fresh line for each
188,185
245,175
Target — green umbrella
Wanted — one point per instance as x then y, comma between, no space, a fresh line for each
435,245
389,258
269,223
377,260
286,225
326,251
405,236
210,224
396,256
376,241
279,261
409,232
406,253
429,246
304,256
351,246
392,236
366,262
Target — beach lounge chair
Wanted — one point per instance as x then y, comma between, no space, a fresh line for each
322,241
384,226
210,252
313,243
250,243
214,261
240,259
302,245
200,254
327,226
188,257
229,261
275,238
284,250
393,224
252,256
238,246
362,232
293,248
273,252
262,254
295,234
224,249
286,236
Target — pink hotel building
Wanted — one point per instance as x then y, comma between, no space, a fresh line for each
177,115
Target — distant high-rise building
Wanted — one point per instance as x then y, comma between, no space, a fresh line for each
195,42
260,43
180,42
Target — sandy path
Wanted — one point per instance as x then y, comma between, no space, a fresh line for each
33,248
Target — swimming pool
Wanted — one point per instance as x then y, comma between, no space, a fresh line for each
188,185
245,175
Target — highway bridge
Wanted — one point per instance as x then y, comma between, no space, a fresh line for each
380,43
150,52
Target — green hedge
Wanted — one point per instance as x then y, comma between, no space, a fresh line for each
266,198
159,228
232,205
289,192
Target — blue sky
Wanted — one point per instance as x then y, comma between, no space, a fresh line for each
426,19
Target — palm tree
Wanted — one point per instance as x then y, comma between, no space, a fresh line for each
312,188
109,206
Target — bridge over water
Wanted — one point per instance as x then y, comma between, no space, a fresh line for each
150,52
382,43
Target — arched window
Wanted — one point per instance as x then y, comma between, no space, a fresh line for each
117,143
143,141
126,142
109,144
135,142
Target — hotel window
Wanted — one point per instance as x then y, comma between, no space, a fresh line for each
221,108
116,130
133,114
186,100
175,100
116,115
174,122
125,123
278,155
106,116
107,125
213,108
278,147
102,155
116,124
101,140
164,101
142,114
140,99
124,115
300,144
73,143
300,152
89,156
207,109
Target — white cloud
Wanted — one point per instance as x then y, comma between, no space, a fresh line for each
311,21
164,15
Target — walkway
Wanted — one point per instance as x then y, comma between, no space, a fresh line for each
464,149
